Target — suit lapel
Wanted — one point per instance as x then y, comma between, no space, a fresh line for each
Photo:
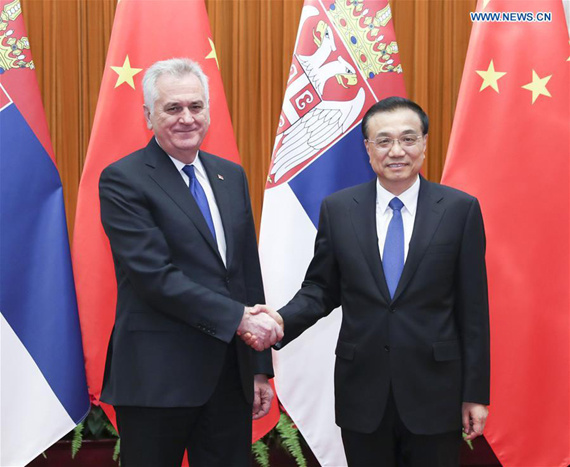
363,217
220,188
428,216
164,173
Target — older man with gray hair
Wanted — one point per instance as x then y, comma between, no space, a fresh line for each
181,230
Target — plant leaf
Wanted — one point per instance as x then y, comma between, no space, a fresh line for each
289,435
77,439
95,422
260,452
111,429
117,450
469,443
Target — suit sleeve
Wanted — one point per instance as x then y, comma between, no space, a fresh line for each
472,308
141,251
262,362
320,292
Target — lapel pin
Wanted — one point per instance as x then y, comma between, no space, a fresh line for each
220,177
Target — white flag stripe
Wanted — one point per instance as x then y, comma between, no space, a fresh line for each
308,395
284,252
28,404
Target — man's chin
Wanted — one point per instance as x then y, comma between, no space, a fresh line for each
187,145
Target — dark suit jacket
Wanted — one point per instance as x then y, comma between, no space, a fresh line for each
431,342
178,306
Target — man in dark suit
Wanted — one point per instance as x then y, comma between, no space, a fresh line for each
183,240
406,260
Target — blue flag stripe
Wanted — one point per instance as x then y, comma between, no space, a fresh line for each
37,295
343,165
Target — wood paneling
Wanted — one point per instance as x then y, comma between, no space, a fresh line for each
254,40
433,37
69,40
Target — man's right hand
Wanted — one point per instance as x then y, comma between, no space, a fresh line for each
260,327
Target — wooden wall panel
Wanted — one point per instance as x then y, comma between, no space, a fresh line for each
69,40
96,21
433,37
254,67
254,41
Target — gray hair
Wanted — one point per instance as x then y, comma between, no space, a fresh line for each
177,67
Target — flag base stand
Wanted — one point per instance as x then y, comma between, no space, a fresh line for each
93,453
481,456
99,453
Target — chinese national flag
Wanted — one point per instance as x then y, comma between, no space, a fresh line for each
510,147
144,31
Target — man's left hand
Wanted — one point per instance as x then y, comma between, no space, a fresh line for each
260,330
262,396
270,330
474,417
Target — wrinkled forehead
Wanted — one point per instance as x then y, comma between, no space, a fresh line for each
394,123
176,88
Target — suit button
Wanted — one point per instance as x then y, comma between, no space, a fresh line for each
227,281
387,348
392,309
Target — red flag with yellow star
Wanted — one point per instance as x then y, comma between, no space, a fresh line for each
510,148
144,31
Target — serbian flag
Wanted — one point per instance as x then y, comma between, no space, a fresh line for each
345,59
144,31
510,148
43,392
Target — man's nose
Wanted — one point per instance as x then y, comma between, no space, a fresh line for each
396,150
186,116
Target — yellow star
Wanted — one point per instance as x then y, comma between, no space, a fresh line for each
485,3
213,54
538,86
126,73
490,77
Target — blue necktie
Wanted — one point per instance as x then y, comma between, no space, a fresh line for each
200,197
393,257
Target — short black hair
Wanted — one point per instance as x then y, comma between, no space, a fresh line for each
391,104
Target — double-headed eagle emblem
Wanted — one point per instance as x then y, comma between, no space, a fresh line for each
309,122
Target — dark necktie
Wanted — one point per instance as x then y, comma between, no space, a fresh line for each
200,197
393,256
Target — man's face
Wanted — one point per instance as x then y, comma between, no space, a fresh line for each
180,118
398,166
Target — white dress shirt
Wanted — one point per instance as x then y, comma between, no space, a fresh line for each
203,179
384,213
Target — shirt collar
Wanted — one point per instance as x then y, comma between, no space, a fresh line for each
197,163
408,197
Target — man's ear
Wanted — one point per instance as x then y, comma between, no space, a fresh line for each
147,117
367,146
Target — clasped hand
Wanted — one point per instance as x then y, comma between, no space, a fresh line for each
261,327
474,419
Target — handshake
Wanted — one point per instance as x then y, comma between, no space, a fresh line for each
261,327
